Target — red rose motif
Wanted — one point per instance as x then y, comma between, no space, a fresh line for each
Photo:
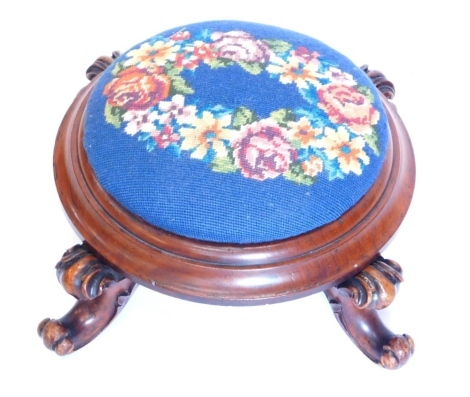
181,35
137,89
345,105
240,46
262,151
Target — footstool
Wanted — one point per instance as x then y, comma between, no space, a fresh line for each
233,163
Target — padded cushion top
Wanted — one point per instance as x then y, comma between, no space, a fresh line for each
235,132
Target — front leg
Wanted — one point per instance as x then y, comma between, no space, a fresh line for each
101,293
355,303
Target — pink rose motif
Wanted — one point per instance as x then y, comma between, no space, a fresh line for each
240,46
345,105
305,55
165,137
262,151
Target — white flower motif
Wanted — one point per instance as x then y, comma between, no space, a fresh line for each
175,109
139,121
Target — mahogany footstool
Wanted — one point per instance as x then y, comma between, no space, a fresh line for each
233,163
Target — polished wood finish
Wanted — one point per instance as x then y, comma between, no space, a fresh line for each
83,275
355,303
376,286
101,294
240,274
100,65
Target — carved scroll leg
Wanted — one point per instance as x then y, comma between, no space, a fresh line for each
100,65
101,293
380,81
355,303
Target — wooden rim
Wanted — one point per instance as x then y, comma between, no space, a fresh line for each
231,273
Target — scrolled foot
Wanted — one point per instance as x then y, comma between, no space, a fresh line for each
86,320
397,351
355,303
101,294
55,336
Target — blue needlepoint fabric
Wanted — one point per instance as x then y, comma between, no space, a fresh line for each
235,132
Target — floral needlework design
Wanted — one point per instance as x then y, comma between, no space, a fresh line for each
150,98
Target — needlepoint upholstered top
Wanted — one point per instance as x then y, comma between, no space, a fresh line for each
211,160
218,131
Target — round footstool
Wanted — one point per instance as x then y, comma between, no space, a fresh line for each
233,163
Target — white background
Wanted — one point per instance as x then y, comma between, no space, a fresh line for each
162,346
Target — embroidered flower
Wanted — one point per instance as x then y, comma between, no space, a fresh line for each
306,56
262,150
203,52
313,166
240,46
175,110
294,70
337,76
349,152
136,89
303,132
165,137
345,105
139,121
150,56
186,60
193,55
207,134
181,35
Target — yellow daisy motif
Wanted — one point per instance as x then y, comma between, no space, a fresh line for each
294,71
207,133
150,56
349,152
303,132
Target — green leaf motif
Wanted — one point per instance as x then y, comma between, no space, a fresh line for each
220,63
366,92
113,115
171,71
278,45
243,116
296,144
223,164
253,68
283,116
118,68
373,141
295,174
180,86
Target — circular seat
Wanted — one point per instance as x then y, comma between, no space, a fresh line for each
235,132
237,163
